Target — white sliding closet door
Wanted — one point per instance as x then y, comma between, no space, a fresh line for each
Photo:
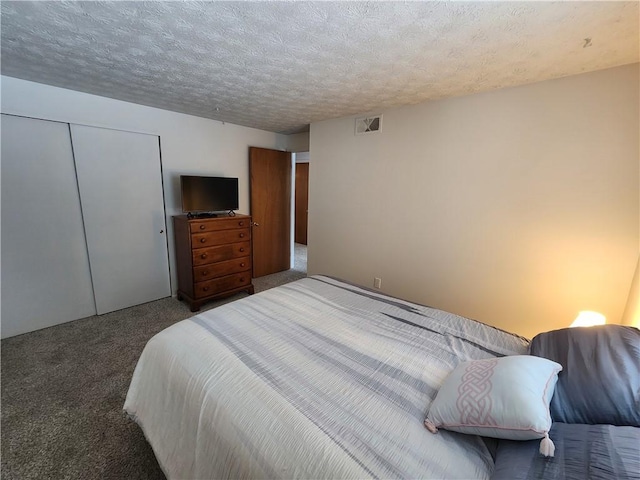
120,182
45,268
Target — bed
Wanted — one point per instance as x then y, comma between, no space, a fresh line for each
595,409
583,451
318,378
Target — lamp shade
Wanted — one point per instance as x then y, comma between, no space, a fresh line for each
587,318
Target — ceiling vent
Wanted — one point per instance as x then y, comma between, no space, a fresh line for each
370,124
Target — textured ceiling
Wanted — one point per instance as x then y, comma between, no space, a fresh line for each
279,66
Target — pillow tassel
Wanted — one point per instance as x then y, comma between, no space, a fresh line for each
547,448
430,426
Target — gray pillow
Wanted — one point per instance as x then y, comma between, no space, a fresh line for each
600,381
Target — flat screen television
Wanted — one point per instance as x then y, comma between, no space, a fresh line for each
208,194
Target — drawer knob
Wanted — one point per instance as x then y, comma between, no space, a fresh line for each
242,235
242,249
203,256
205,289
241,279
205,273
241,224
202,227
242,264
202,240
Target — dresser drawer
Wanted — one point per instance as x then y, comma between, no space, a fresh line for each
219,238
217,224
219,285
219,269
204,256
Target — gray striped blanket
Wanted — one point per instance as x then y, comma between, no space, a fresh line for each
314,379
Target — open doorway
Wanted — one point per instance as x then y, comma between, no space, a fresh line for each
300,209
272,199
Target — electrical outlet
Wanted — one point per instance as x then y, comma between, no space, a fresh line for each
377,283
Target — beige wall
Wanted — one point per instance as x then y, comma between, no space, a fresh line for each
632,310
298,142
517,207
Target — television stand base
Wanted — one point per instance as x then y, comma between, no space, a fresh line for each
202,215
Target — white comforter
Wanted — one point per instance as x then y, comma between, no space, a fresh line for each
314,379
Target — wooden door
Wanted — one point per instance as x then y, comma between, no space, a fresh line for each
120,184
45,268
270,196
302,202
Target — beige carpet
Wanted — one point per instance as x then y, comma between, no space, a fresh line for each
63,389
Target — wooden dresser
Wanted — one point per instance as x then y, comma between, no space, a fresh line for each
213,257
